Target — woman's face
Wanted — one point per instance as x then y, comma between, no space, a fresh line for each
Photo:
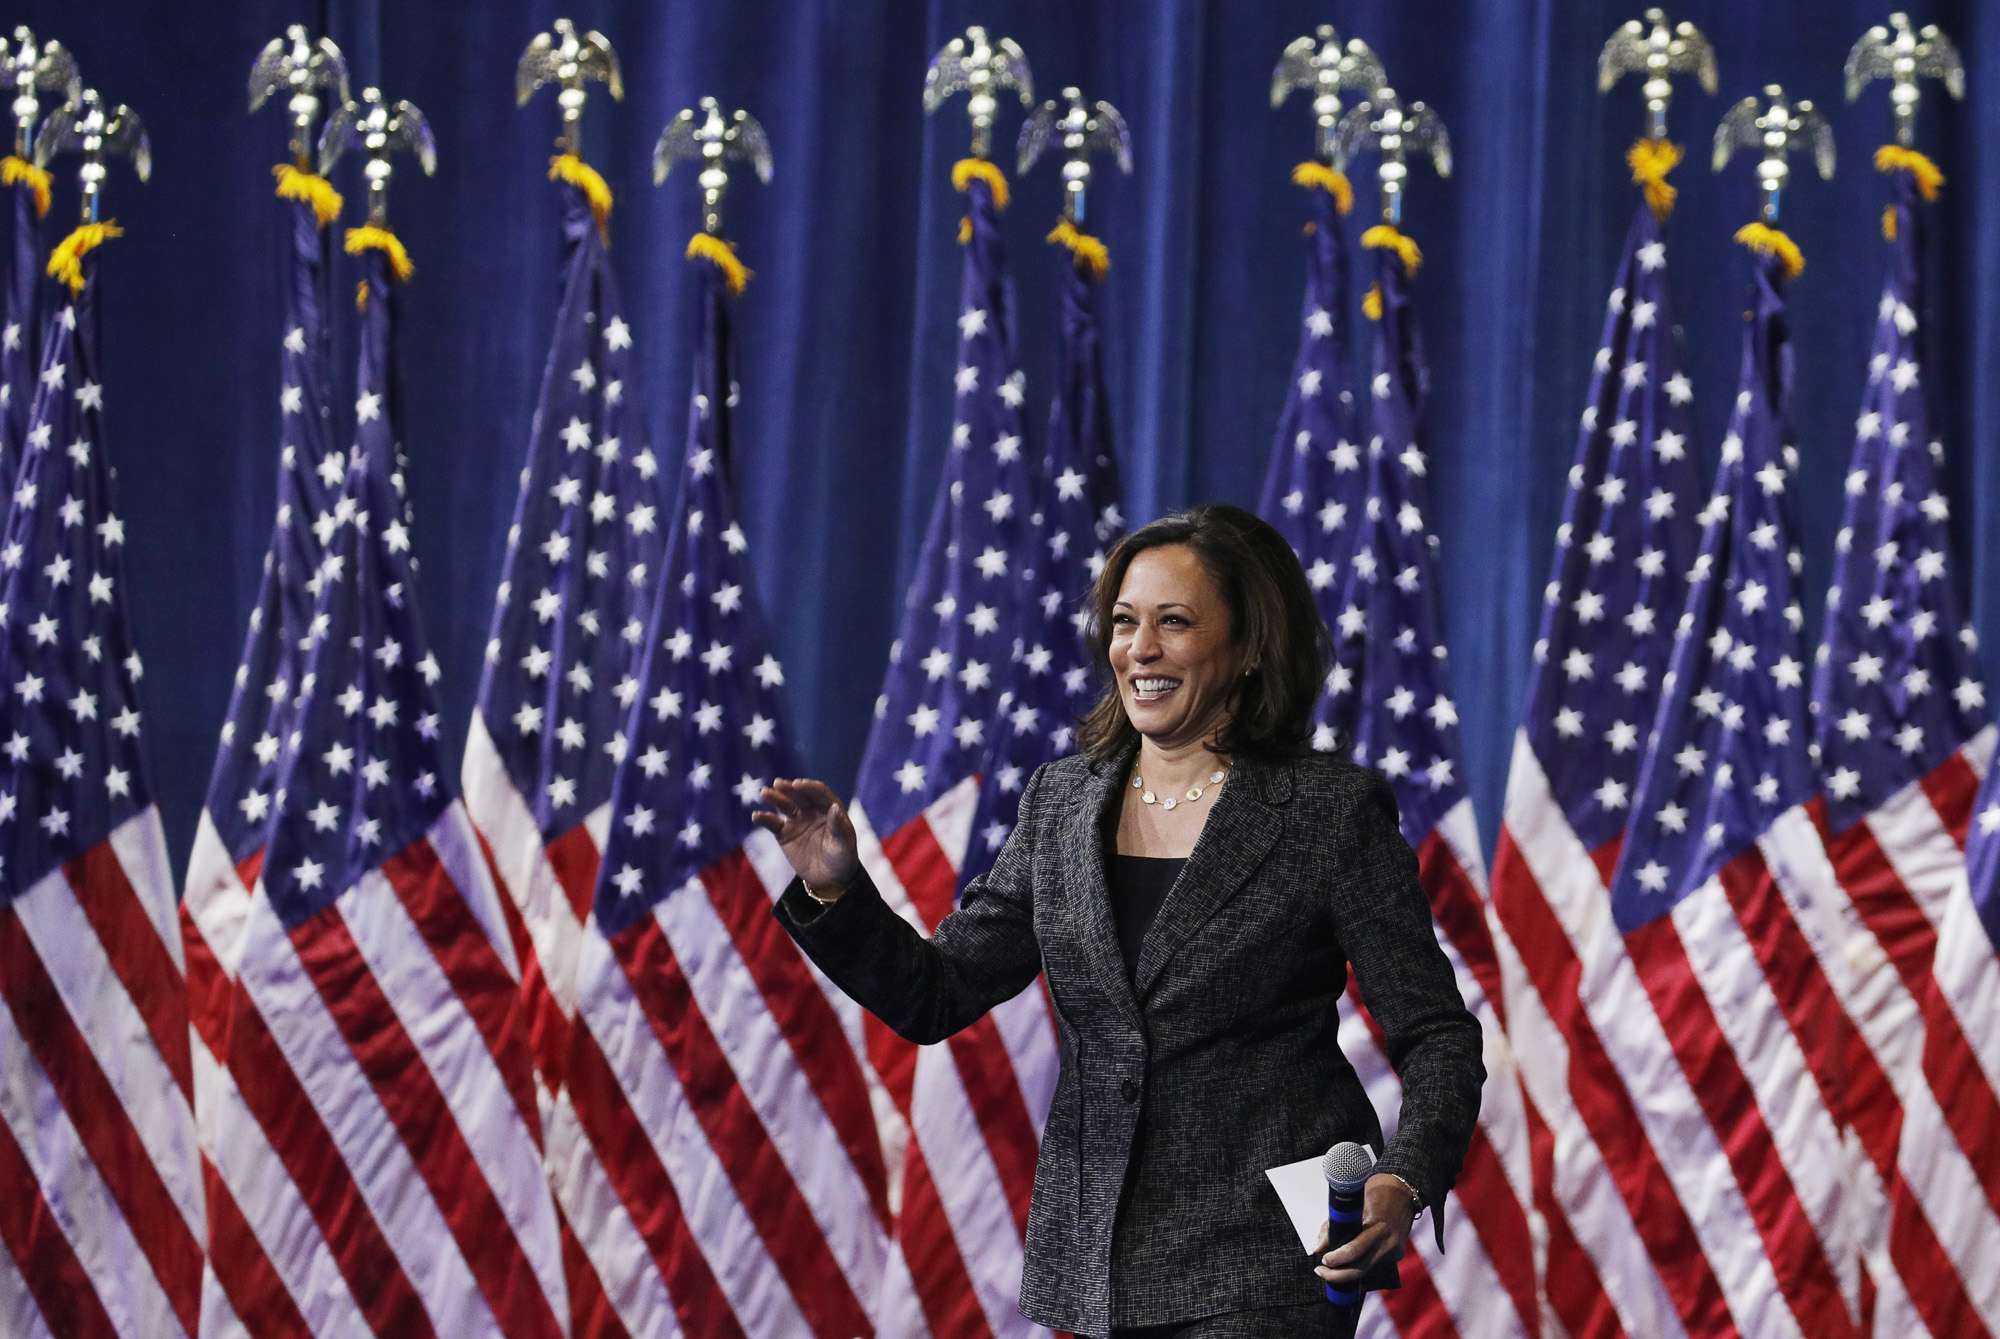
1172,648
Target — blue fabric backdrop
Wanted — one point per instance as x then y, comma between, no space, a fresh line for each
847,330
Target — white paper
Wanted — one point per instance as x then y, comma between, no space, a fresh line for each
1301,1186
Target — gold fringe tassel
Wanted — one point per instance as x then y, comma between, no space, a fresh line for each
368,237
15,170
721,255
1335,184
967,170
1895,158
1383,237
1768,241
1371,302
1090,253
66,261
1888,223
298,183
1651,160
568,167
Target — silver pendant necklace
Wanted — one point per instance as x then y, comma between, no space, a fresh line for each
1194,793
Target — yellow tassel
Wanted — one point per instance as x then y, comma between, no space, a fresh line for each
368,237
1371,302
14,170
966,170
1334,183
1895,158
296,183
1768,241
1089,251
1888,223
568,167
66,261
361,296
1385,238
723,256
965,230
1651,160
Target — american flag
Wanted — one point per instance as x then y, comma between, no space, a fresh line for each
101,1205
20,333
1315,487
974,1104
376,1011
1622,1256
1902,736
1074,518
562,665
1388,694
743,1189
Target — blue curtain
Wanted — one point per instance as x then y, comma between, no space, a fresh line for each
847,332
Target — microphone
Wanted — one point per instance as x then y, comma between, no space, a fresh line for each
1346,1167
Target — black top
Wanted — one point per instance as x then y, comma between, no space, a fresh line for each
1138,885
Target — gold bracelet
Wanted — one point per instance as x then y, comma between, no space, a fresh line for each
1416,1200
829,901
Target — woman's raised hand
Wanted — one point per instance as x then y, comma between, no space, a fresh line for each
813,829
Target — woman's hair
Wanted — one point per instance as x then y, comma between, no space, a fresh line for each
1273,622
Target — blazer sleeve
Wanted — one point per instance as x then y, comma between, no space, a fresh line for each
927,989
1432,1040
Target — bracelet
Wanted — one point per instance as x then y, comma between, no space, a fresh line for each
829,901
1416,1200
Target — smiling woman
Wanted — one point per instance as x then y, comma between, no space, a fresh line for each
1195,885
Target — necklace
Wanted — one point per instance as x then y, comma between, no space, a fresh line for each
1215,778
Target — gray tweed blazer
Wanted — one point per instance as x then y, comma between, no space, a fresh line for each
1218,1058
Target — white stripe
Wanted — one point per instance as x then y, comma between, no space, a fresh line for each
1978,751
79,1201
1968,980
217,1319
363,1135
605,1231
216,899
761,1059
464,1070
113,1028
1029,1035
1895,1316
1926,858
968,1186
141,848
521,859
19,1316
1789,1101
736,1254
901,1312
271,1204
457,849
950,816
1622,1015
881,872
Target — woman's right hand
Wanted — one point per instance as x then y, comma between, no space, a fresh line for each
814,832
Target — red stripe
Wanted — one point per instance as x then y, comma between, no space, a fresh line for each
1790,1241
923,868
1971,1107
101,1121
1602,1100
804,1014
207,986
548,1030
255,1292
1575,1288
478,976
797,1246
574,857
591,1315
63,1293
646,1191
1417,1308
138,955
291,1124
1460,912
894,1060
1952,787
937,1270
517,929
414,1105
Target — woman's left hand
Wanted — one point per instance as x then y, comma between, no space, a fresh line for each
1386,1214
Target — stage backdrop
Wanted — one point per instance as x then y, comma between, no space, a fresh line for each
848,333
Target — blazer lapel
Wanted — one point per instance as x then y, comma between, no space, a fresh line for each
1089,896
1233,843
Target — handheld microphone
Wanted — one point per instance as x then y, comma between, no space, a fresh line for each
1346,1167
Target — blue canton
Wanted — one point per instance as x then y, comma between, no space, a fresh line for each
361,775
1627,539
1728,747
1074,517
1388,693
72,764
245,777
964,609
1895,688
562,660
707,730
18,335
1315,486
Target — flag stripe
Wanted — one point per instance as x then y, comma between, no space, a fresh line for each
104,1126
987,1073
58,1293
600,1243
148,971
1575,1288
256,1294
937,1268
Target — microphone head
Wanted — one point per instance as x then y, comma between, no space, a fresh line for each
1346,1166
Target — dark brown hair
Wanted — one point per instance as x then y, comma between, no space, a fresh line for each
1272,619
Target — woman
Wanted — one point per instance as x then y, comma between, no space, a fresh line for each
1195,885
